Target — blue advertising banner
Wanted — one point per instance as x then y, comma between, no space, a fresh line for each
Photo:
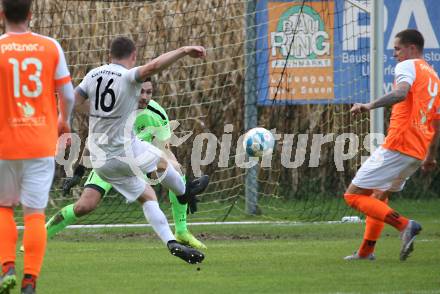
319,53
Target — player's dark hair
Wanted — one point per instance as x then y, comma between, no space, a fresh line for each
148,79
411,37
16,11
121,47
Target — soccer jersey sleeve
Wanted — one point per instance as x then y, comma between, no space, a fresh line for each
132,75
62,75
405,71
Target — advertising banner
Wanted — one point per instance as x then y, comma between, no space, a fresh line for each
319,52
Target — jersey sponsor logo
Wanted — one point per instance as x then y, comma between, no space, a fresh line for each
428,68
28,117
27,109
27,121
299,42
300,35
106,72
20,47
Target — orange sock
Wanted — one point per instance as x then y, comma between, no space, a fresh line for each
9,235
373,230
34,241
377,209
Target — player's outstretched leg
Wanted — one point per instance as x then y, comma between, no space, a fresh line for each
408,237
373,230
381,211
188,254
181,229
188,239
8,279
58,222
159,222
90,197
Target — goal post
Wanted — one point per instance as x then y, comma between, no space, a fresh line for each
376,66
250,102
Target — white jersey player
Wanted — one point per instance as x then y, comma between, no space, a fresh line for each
113,92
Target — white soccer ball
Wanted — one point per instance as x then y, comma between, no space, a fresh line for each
258,142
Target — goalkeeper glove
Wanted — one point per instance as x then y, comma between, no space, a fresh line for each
68,183
191,201
193,188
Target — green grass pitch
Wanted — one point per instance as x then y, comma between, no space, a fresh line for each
240,259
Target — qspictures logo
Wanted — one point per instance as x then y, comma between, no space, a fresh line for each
301,44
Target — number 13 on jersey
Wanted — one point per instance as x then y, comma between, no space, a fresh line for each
19,71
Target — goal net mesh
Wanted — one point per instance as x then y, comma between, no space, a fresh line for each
301,64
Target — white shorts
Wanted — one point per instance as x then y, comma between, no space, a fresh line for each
27,181
126,174
386,170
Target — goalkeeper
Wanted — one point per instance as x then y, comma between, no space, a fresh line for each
151,123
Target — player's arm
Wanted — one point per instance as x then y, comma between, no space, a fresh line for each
78,172
430,162
395,96
405,74
64,88
165,60
66,101
81,101
82,106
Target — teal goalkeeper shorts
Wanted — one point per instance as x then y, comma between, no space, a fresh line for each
98,184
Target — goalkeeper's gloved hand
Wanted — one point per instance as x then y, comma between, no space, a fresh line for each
68,183
192,205
191,201
193,188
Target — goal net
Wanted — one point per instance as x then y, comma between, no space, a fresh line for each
294,67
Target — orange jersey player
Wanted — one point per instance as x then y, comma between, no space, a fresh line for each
32,69
412,141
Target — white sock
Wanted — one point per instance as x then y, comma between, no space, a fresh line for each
158,221
173,180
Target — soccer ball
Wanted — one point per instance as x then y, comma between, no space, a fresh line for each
258,142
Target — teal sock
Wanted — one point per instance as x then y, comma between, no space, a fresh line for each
66,216
179,212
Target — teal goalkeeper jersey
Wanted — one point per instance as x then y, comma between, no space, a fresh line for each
152,122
